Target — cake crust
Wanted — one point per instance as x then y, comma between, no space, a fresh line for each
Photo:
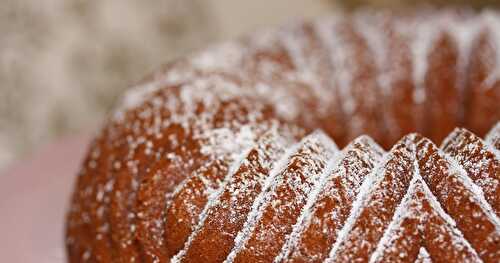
230,154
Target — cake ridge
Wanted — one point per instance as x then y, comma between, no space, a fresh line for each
397,218
480,161
413,140
253,214
269,147
207,180
418,185
367,190
470,213
319,146
438,207
333,170
478,193
292,237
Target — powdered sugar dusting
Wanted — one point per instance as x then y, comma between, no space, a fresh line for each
479,160
252,217
340,52
367,190
372,28
456,169
204,118
269,148
464,32
493,137
299,177
492,22
210,60
426,33
293,237
423,256
412,207
403,210
349,167
458,238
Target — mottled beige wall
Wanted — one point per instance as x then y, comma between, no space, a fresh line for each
411,3
237,17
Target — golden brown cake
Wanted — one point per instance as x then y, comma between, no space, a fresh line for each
230,154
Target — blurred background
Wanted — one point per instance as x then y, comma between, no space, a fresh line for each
63,63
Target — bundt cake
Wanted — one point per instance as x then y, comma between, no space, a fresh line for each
230,154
